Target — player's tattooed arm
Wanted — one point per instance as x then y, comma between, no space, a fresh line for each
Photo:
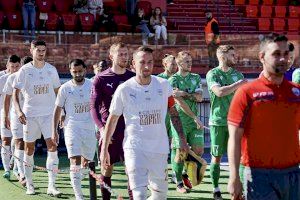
186,109
55,122
174,115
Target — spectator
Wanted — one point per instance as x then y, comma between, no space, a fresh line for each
29,15
142,25
212,38
95,7
289,73
107,21
159,24
130,9
81,6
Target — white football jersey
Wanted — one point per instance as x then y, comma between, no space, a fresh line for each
76,101
38,86
8,90
144,108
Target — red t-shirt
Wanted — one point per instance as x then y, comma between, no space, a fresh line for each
270,116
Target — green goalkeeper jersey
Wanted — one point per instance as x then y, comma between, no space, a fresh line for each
219,106
296,76
190,84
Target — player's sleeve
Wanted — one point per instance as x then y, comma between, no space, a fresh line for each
239,108
8,89
95,102
199,88
56,81
296,76
117,102
61,97
211,80
20,80
173,82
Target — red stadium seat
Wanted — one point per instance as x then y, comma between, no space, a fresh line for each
282,2
14,19
87,21
253,2
122,4
63,6
122,23
1,18
239,2
294,11
9,5
251,11
293,24
146,5
52,22
267,2
112,6
44,5
69,21
278,24
264,24
280,11
266,11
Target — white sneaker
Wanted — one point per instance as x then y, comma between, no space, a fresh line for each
52,191
30,190
151,35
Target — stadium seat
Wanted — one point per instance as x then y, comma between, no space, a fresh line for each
251,11
280,11
44,5
63,6
14,19
122,23
146,5
282,2
122,5
267,2
239,2
253,2
266,11
1,18
52,22
69,21
264,24
112,6
87,21
9,5
293,24
294,11
278,24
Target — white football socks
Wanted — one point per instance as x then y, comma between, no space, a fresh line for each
52,164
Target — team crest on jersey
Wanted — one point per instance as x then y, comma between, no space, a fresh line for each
194,82
296,91
133,96
235,78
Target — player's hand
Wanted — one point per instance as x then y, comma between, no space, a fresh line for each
55,138
61,122
104,159
22,118
235,189
198,123
243,81
7,122
179,93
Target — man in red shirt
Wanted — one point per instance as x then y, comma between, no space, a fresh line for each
264,122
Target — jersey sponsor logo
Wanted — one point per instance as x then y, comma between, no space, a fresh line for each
160,92
109,85
41,89
296,91
82,107
263,94
150,117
